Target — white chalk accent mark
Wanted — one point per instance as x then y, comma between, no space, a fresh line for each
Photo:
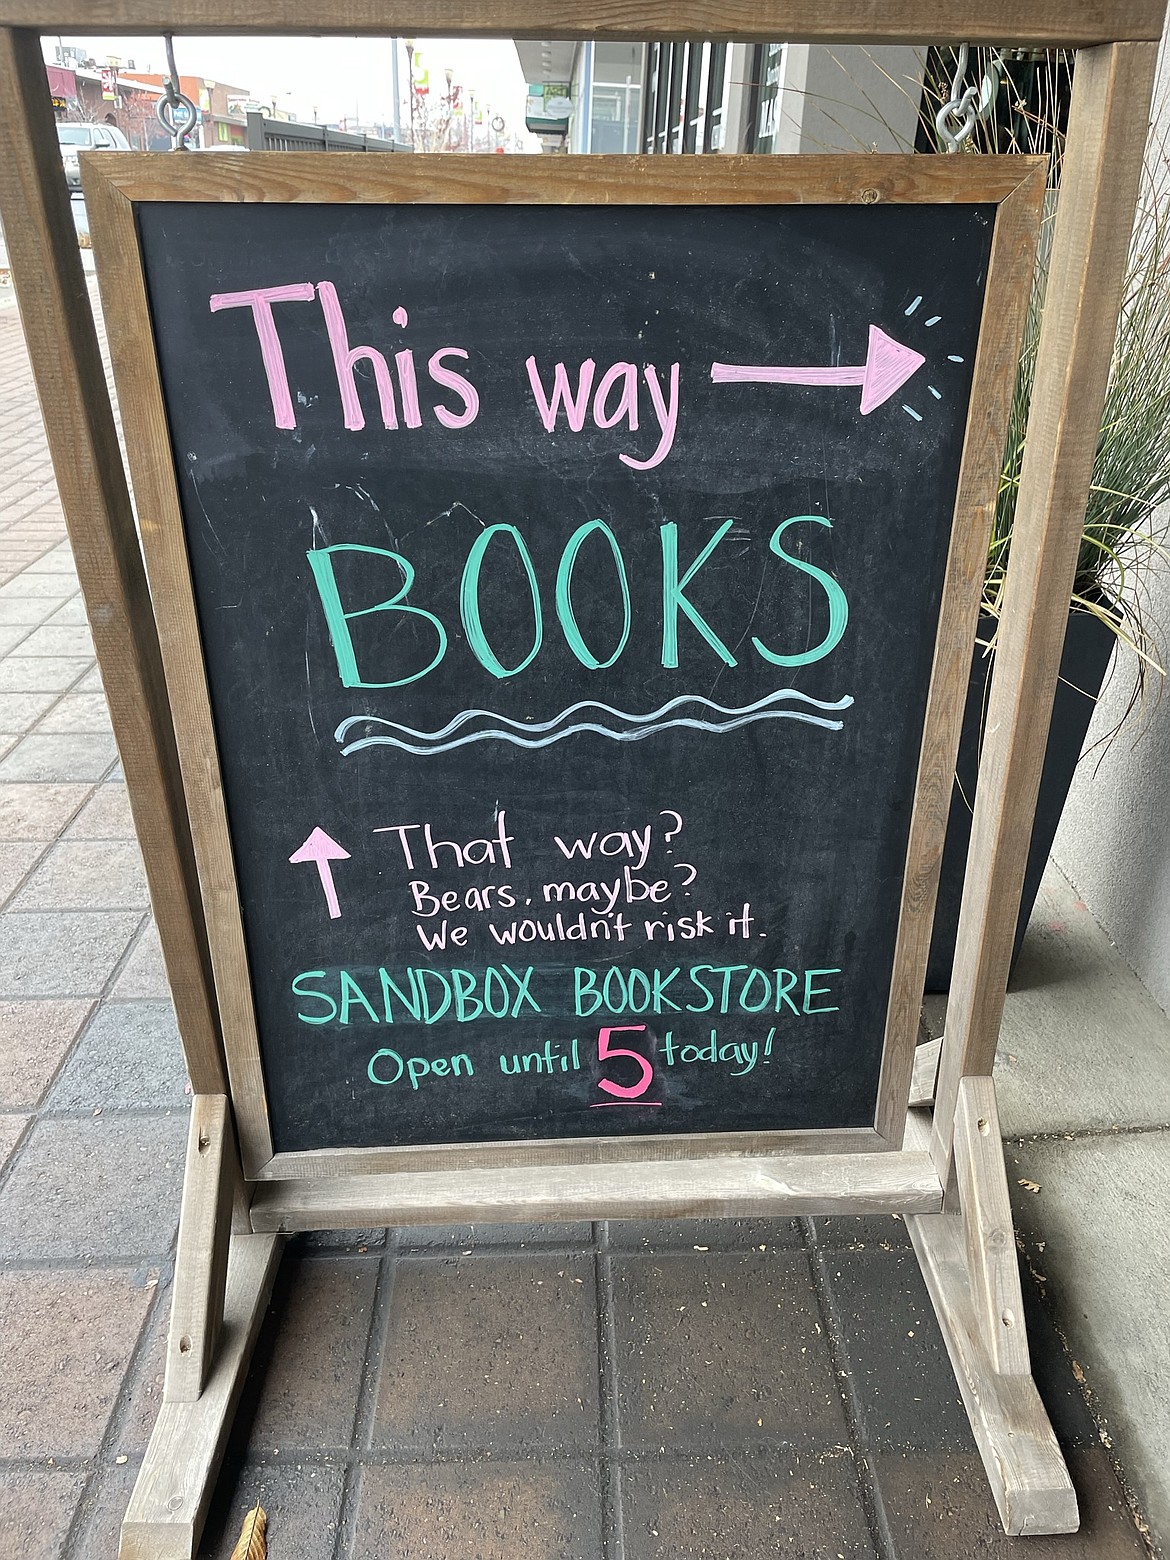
649,725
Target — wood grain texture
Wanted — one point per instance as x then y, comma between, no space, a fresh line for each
58,324
331,1163
1069,22
702,1189
1009,286
148,444
169,1504
201,1260
926,1058
996,1299
1032,1489
351,177
1106,137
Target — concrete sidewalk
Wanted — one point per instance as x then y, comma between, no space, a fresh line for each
607,1392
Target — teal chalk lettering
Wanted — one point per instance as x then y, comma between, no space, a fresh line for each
467,1006
388,1067
638,991
469,602
614,992
746,1052
564,594
351,992
811,991
700,1053
764,1001
393,1059
838,601
661,1000
523,995
417,1067
585,990
317,996
431,1015
674,599
546,1061
495,994
708,1002
390,987
338,619
785,981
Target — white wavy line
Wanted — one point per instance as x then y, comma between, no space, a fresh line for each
590,704
601,731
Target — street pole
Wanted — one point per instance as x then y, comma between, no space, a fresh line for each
395,89
410,75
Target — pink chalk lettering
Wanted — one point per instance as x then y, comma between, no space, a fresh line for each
409,387
260,301
605,1104
453,381
605,1050
576,407
344,358
627,406
667,414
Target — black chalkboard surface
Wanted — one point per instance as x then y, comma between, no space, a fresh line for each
567,582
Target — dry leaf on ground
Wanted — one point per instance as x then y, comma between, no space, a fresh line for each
252,1543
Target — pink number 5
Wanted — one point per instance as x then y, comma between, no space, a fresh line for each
605,1050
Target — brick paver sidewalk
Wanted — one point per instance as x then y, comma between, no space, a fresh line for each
607,1392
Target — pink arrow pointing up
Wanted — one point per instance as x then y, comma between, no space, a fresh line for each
320,849
888,365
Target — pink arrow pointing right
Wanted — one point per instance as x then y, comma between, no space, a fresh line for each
321,850
888,365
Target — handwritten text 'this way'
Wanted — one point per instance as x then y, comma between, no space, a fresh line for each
617,398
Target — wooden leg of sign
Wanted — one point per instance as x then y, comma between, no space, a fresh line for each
166,1512
968,1259
223,1276
201,1264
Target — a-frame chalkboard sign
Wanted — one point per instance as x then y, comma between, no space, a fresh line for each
563,577
562,615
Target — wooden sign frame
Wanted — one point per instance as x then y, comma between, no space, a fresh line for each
117,186
949,1175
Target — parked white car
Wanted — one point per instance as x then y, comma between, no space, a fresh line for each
86,138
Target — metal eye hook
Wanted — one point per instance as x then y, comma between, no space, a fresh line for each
956,120
177,125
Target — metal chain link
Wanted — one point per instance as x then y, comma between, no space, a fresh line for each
178,125
957,118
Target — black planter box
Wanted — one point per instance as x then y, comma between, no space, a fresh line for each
1087,647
